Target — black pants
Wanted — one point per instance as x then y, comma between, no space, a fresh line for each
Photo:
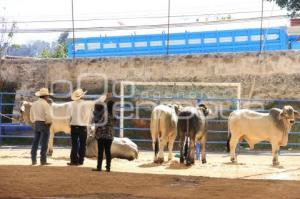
41,135
104,144
78,132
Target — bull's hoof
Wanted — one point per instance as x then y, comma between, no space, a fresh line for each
276,163
188,163
50,153
159,160
181,160
204,161
233,160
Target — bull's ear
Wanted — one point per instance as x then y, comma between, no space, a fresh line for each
22,108
206,112
296,114
176,108
209,111
180,108
281,115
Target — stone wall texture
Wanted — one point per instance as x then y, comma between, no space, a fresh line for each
270,75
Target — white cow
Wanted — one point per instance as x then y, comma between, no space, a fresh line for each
255,127
163,130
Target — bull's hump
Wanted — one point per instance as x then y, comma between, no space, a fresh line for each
249,112
163,108
192,110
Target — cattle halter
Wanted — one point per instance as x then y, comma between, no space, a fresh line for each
3,115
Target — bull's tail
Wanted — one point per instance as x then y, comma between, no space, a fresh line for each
186,143
155,120
186,147
228,137
156,147
228,142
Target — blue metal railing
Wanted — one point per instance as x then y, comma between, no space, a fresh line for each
10,127
225,41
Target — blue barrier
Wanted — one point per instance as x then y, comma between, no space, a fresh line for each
295,45
225,41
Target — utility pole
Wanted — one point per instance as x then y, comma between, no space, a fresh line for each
73,30
261,26
168,32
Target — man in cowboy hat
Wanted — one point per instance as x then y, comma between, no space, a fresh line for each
79,122
41,118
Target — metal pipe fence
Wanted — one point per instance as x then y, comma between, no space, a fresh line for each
141,134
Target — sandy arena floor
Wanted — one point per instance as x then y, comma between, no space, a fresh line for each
135,180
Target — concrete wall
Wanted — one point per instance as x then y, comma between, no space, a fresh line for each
272,75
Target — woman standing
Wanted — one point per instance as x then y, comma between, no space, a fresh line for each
103,120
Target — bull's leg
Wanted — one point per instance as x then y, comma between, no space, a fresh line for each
186,147
160,155
233,142
191,151
170,147
50,142
275,150
181,146
203,152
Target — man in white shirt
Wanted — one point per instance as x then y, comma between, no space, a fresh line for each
41,117
80,118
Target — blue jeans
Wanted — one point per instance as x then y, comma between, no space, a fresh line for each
41,135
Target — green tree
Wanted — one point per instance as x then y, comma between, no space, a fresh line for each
60,50
293,6
45,53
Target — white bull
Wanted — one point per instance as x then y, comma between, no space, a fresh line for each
122,148
255,127
163,130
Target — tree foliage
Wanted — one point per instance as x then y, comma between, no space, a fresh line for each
31,49
60,50
6,35
293,6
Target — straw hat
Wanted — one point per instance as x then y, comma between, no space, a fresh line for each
43,92
78,94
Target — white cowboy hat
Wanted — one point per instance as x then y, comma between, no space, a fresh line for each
43,92
78,94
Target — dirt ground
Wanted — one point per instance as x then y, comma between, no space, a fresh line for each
253,177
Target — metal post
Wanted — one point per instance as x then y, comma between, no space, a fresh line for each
73,29
261,26
168,35
122,110
238,107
